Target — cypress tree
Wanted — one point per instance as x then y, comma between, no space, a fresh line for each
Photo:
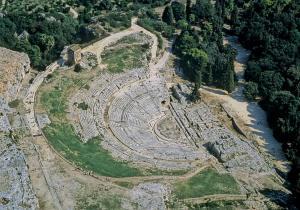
229,77
188,9
167,15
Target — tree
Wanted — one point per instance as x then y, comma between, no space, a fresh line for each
188,10
35,56
253,71
284,115
7,30
269,82
229,77
185,42
234,16
178,10
228,74
195,95
251,90
167,15
196,60
182,24
106,5
293,80
203,9
45,41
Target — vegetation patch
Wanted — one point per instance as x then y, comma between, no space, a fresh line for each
96,201
54,101
89,156
128,185
14,103
83,106
220,205
156,25
120,59
207,182
158,172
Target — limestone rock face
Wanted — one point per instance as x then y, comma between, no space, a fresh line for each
13,67
150,196
16,191
15,187
234,153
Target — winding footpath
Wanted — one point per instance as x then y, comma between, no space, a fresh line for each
252,115
29,99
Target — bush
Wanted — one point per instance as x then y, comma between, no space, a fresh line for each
251,90
77,68
156,25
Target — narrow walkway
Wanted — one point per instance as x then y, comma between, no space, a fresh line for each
215,197
29,100
253,116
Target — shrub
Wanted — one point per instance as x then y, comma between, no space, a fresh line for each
251,90
77,68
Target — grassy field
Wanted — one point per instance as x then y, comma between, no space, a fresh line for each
89,156
99,201
124,58
54,101
207,182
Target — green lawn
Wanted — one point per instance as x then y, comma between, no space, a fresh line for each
125,58
207,182
89,156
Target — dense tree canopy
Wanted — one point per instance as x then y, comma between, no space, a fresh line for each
44,30
204,37
178,10
270,28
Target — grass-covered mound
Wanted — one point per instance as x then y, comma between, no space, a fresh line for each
207,182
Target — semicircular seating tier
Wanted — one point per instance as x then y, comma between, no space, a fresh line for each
123,110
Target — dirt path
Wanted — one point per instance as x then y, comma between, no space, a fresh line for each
216,197
30,98
98,47
139,179
252,115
